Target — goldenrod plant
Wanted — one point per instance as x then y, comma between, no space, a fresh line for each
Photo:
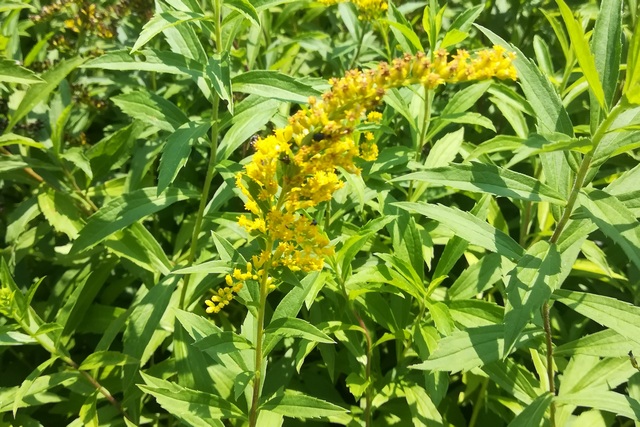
295,212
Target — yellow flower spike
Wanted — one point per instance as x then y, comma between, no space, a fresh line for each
320,138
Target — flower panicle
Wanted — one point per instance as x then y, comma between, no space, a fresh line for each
296,167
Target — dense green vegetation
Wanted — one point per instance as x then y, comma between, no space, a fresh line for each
295,212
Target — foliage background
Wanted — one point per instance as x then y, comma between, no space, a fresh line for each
110,113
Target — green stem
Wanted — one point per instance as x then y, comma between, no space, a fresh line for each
385,37
363,30
478,404
422,138
257,380
550,370
211,169
578,184
367,334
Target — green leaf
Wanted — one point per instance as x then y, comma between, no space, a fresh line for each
161,22
607,343
603,400
151,60
631,89
151,109
531,284
28,382
123,211
464,118
39,93
139,246
177,150
209,267
614,219
607,46
477,277
533,415
251,115
245,8
217,72
293,327
622,317
459,29
465,350
223,342
468,227
354,244
12,138
544,100
272,84
101,359
484,178
456,246
89,412
423,411
10,72
192,406
581,49
113,150
407,32
60,211
294,404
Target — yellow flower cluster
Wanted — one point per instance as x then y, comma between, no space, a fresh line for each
368,9
295,168
233,283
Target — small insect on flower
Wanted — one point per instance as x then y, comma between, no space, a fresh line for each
284,158
314,222
253,140
317,137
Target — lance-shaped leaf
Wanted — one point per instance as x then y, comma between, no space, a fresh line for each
272,84
541,95
468,349
293,327
607,343
614,219
483,178
123,211
152,109
161,22
603,400
469,227
581,49
622,317
192,406
607,46
10,72
150,60
530,285
38,93
177,150
631,88
294,404
533,415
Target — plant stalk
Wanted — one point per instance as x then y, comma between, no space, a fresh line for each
211,168
257,380
428,100
578,184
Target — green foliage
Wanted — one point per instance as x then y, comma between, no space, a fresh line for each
487,263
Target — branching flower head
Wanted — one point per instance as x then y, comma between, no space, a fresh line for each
296,167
